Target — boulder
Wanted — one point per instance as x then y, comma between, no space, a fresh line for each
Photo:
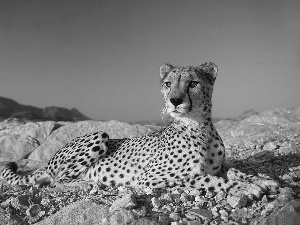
18,139
83,212
270,130
288,215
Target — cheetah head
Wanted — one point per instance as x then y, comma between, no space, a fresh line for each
187,91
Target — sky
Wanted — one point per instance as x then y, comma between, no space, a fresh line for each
103,57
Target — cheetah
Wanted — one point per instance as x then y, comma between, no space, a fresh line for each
188,153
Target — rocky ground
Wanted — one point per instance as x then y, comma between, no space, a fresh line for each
267,145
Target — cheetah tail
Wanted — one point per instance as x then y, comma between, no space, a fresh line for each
9,174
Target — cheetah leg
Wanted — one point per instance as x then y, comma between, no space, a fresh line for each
265,183
76,164
208,183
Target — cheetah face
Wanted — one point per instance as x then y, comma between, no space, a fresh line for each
187,91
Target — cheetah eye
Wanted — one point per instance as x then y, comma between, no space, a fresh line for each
193,84
167,84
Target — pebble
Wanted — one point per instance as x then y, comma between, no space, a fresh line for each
194,223
237,201
224,215
203,213
200,199
177,191
215,211
264,199
128,201
176,223
221,195
164,219
167,209
195,192
175,216
122,217
156,203
260,157
166,196
33,210
270,146
270,206
184,197
175,196
6,203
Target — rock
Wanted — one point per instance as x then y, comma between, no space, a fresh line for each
270,146
184,197
83,212
237,201
9,219
20,202
224,215
260,157
291,148
33,210
220,196
34,213
194,223
18,139
202,213
144,221
128,201
166,197
287,215
156,203
242,138
175,216
164,219
122,217
241,214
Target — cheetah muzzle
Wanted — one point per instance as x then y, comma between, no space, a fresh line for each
188,153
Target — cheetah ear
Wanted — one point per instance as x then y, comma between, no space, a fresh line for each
164,70
210,70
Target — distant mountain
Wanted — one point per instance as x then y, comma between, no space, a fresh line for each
12,109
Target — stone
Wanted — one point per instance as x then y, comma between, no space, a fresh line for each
80,213
9,219
144,221
237,201
287,215
270,146
224,215
184,197
156,203
122,217
220,196
256,130
203,213
194,223
127,201
288,150
18,139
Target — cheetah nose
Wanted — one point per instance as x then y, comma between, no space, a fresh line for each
176,101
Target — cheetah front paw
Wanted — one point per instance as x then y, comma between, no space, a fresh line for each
269,186
251,185
252,191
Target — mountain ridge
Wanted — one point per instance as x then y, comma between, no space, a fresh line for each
10,108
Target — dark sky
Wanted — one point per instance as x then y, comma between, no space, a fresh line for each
102,57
